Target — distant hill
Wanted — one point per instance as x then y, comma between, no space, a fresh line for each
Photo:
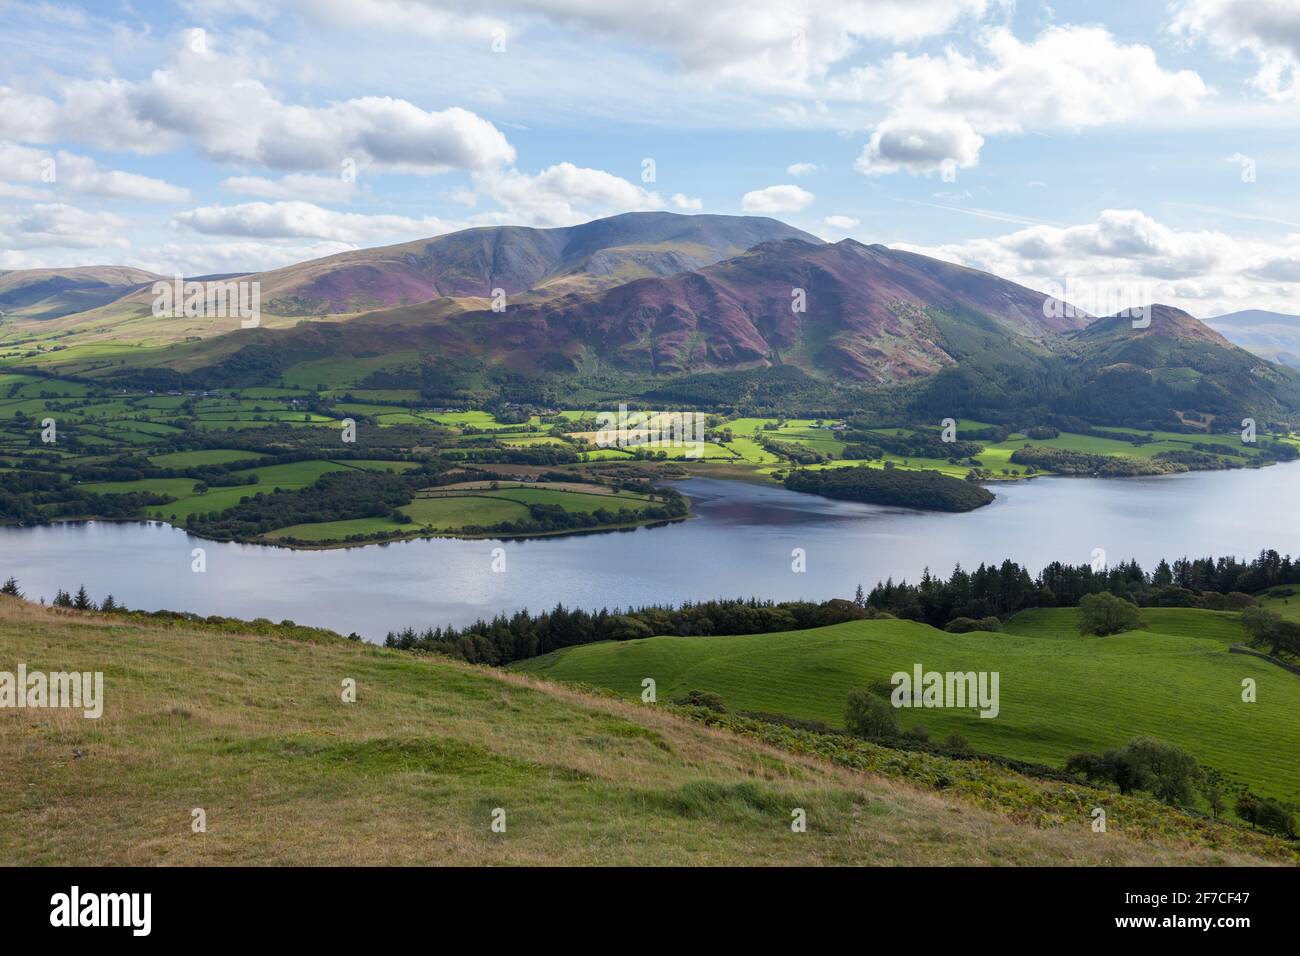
708,310
453,272
43,294
1272,335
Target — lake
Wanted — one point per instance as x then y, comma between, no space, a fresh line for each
740,544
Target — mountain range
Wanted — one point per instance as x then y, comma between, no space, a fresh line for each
649,298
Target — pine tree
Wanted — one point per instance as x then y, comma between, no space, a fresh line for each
62,598
109,605
859,598
11,587
83,601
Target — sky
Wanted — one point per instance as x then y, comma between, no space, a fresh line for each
1111,151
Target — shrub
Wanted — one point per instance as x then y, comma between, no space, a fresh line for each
702,698
1104,614
1266,814
868,715
964,625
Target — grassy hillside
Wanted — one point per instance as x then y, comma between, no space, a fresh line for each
1060,693
252,730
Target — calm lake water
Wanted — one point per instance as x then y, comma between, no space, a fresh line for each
739,545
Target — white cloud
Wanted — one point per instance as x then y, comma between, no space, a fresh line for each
1206,272
801,169
687,203
842,223
208,258
60,225
775,199
1268,30
214,101
775,43
81,175
306,186
561,195
294,219
1069,77
920,145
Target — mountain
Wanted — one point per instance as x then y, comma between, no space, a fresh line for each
516,259
43,294
1176,363
455,272
870,314
1271,335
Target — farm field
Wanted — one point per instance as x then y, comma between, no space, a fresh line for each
1060,693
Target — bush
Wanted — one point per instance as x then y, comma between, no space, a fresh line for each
1266,814
1144,764
1104,614
964,625
868,715
702,698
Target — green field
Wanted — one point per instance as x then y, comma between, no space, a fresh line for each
1060,692
253,730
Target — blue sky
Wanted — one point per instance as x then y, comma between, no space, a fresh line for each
1142,150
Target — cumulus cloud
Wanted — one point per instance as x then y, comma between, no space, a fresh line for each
775,199
801,169
1268,30
1069,77
60,225
687,203
293,219
81,175
562,195
1206,272
920,145
842,223
214,101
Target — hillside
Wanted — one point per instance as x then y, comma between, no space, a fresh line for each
869,316
252,730
1060,693
702,310
451,272
1177,363
43,294
1271,335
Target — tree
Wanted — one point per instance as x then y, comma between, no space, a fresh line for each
1266,814
62,598
1104,614
858,597
11,588
1162,769
870,716
82,602
108,606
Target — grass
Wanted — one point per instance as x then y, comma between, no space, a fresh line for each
1060,692
191,459
252,729
457,511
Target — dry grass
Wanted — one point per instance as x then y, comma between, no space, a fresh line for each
252,729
